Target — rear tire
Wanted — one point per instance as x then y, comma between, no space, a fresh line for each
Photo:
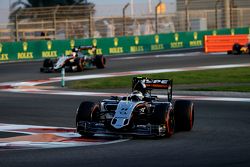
87,111
162,116
184,115
100,61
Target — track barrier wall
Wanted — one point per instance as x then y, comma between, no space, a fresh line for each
36,50
223,43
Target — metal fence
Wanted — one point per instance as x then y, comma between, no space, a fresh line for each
71,22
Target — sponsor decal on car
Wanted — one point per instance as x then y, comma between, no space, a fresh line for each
159,83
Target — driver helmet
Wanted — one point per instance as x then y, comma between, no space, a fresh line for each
136,96
74,51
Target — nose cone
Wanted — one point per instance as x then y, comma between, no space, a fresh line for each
118,123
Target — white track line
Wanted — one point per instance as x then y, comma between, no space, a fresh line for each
104,94
118,74
158,56
49,137
24,87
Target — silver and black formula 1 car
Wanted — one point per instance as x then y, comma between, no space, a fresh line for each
238,49
76,61
139,113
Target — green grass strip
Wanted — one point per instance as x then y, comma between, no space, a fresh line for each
225,88
220,76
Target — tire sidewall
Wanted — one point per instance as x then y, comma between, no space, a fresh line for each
184,115
164,116
100,61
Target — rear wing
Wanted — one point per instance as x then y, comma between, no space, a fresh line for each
144,85
87,48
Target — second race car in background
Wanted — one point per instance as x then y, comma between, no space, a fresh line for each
76,61
238,49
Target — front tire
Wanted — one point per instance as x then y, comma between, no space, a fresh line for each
184,115
163,116
48,63
79,64
87,111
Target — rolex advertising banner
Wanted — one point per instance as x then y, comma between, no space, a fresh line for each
33,50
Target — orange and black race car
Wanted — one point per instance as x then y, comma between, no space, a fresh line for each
240,49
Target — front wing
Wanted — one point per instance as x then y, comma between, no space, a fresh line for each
47,69
138,130
51,69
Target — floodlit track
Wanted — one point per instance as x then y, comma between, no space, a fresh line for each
220,136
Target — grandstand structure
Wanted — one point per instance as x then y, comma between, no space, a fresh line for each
216,13
80,21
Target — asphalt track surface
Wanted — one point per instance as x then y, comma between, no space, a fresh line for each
220,136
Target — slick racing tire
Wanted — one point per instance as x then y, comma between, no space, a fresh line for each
248,46
184,115
100,61
87,111
162,116
236,49
229,52
79,64
48,63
